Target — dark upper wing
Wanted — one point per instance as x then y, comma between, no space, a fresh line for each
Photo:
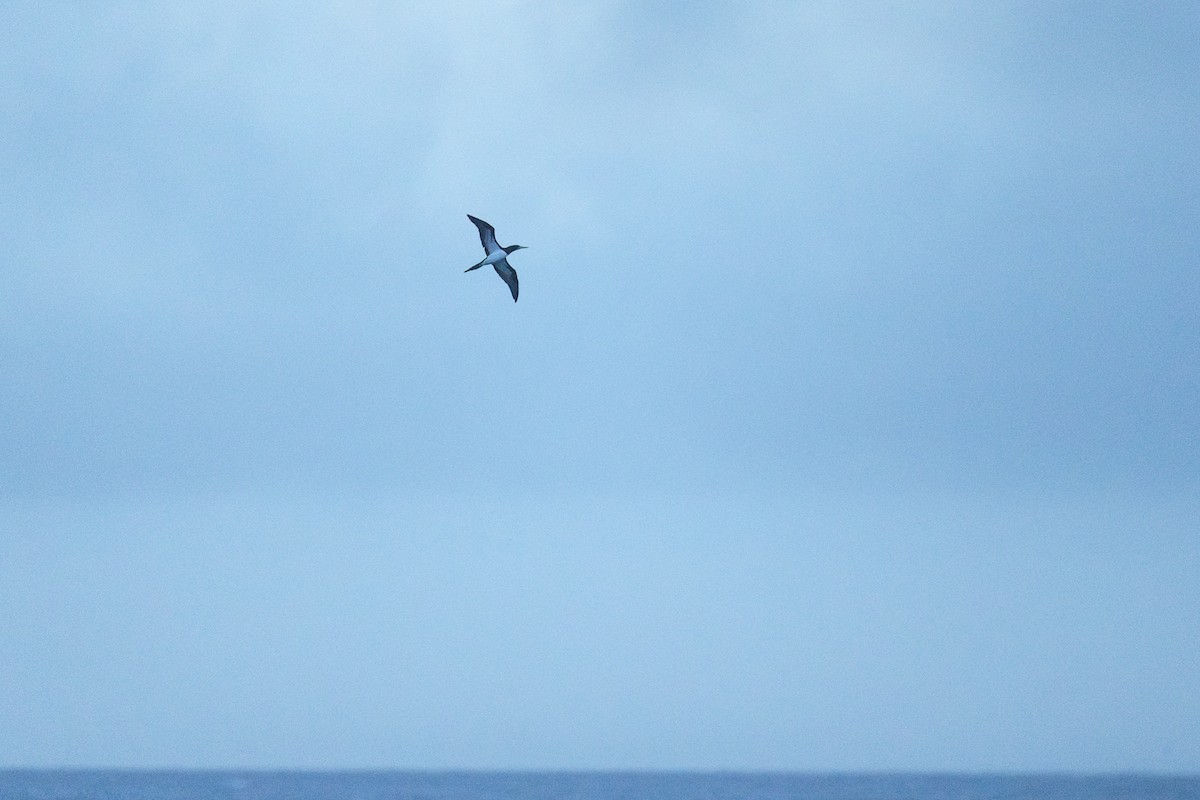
509,275
487,235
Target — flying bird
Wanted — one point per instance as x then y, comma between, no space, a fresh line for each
497,256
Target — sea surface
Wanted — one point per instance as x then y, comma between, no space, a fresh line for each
233,785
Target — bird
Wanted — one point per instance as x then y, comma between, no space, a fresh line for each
496,255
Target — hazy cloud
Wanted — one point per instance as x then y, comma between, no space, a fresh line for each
852,387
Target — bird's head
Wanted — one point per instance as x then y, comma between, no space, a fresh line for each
512,248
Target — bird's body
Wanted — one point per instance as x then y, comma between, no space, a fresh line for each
495,255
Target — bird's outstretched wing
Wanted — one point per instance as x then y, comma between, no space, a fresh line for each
487,235
509,275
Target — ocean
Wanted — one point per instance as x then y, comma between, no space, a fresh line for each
288,785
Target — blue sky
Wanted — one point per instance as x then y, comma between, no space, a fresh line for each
847,419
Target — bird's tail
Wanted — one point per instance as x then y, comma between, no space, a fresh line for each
477,266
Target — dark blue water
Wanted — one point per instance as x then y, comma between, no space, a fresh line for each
122,785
